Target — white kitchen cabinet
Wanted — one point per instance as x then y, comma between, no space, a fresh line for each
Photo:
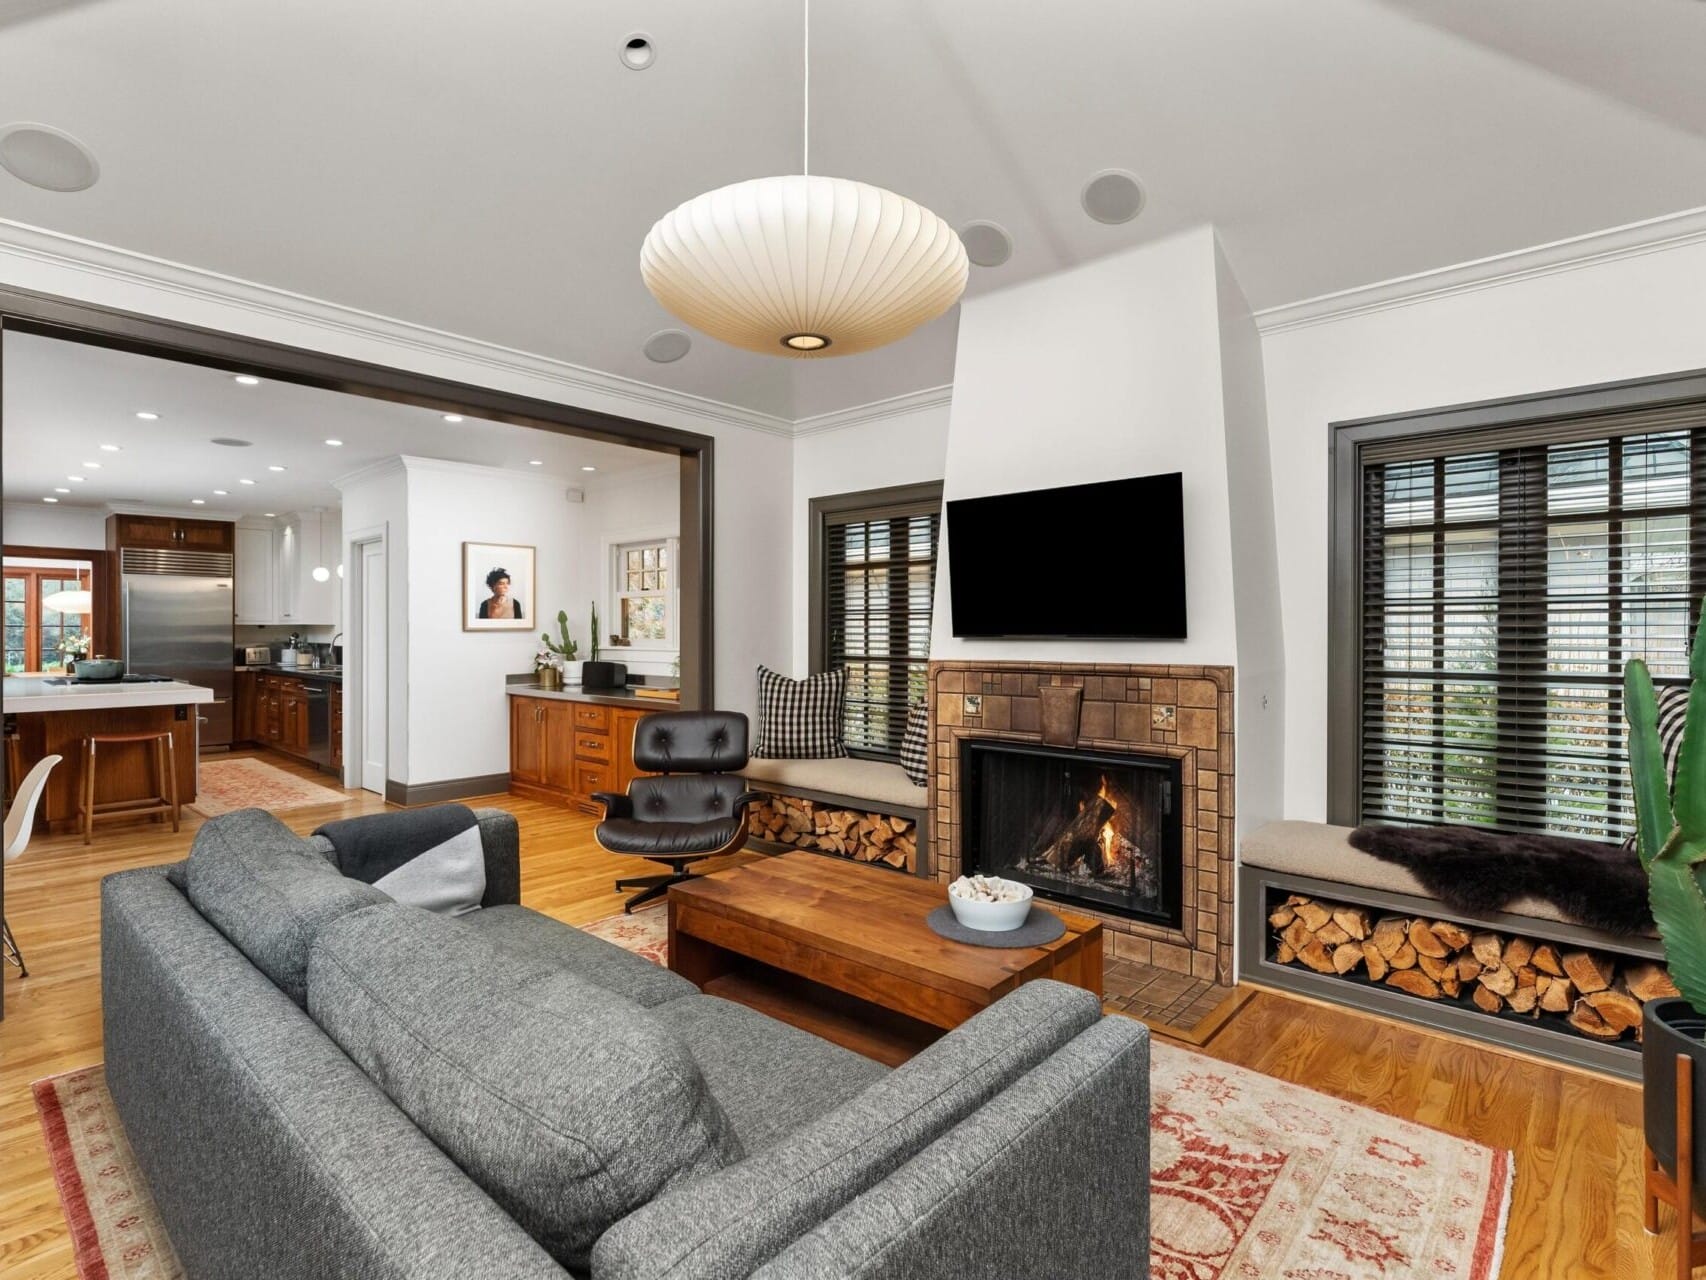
256,587
309,540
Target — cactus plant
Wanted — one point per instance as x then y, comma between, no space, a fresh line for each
1671,819
565,649
595,631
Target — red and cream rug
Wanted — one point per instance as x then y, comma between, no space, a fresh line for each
1253,1178
245,783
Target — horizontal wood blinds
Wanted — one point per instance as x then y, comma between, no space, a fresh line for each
879,577
1502,590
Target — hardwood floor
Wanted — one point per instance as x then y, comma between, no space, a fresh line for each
1576,1210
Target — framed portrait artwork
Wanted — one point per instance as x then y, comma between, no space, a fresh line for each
497,587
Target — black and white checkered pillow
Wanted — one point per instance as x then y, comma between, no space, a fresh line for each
915,746
800,719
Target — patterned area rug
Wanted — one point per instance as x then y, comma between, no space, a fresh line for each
243,783
1253,1178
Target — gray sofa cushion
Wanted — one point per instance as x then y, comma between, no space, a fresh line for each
547,942
733,1221
768,1077
569,1105
261,886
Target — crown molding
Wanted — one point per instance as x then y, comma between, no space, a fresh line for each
875,411
1631,240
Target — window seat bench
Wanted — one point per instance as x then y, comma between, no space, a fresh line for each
1315,860
871,789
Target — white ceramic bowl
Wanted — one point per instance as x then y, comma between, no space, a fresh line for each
993,917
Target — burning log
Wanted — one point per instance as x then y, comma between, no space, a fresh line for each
1080,841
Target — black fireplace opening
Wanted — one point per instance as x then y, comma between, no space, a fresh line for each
1099,829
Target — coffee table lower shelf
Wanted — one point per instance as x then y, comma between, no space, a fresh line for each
869,1029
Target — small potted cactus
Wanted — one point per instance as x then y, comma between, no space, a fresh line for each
1671,839
562,651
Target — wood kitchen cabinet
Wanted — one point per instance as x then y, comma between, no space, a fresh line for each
566,750
245,697
337,722
169,533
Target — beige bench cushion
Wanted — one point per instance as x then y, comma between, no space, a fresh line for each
1323,851
875,781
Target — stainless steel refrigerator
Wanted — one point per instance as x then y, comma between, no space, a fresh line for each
177,622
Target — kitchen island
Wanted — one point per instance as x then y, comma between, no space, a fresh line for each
53,718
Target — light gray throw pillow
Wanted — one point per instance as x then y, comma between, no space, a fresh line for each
570,1106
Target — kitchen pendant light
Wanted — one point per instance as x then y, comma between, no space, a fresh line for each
804,265
321,573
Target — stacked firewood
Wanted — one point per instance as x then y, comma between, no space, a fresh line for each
1599,995
807,824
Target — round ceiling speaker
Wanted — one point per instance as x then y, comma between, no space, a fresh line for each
987,243
637,52
231,442
1112,196
46,157
666,346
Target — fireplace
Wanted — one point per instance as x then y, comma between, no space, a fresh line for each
1100,829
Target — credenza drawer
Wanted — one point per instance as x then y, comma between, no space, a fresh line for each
593,777
593,746
593,718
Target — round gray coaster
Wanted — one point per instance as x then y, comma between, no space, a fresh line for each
1040,927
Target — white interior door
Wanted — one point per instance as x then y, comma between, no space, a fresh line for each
374,669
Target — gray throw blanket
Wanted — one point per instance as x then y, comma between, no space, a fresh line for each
429,858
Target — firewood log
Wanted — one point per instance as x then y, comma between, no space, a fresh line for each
1315,956
1498,979
1331,935
1415,982
1423,940
1435,967
1454,936
1313,914
1486,999
1468,967
1297,935
1648,981
1403,958
1523,999
1618,1009
1389,934
1450,985
1353,920
1282,917
1517,952
1590,972
1586,1019
1545,959
1556,994
1347,956
1375,961
1526,975
1488,948
1283,954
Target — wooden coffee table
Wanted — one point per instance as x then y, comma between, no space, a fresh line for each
842,950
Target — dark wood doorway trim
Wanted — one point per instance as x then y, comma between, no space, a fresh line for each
22,311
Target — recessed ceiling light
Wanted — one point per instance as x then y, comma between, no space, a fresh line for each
198,502
48,158
453,417
270,514
246,379
50,499
62,491
336,444
637,52
589,468
275,467
147,416
91,466
221,493
245,482
536,462
109,448
77,479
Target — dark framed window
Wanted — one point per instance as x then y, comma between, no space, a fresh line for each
37,634
1493,569
873,579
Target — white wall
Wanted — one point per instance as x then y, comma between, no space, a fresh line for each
907,448
376,499
36,524
1626,317
458,713
1110,369
631,505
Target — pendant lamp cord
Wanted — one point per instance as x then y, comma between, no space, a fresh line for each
806,123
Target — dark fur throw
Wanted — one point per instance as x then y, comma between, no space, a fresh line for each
1476,871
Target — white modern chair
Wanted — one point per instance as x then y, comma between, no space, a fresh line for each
20,820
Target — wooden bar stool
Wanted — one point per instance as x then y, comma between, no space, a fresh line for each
165,799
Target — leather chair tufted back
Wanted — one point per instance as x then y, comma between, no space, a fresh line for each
701,742
685,797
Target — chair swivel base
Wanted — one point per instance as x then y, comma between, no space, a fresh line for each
653,886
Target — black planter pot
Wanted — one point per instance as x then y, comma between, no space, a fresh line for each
1671,1027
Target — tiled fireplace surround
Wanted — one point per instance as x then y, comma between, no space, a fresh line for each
1180,711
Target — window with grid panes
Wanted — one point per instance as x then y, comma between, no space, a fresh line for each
877,583
1502,590
644,593
35,635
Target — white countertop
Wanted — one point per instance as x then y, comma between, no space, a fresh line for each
25,695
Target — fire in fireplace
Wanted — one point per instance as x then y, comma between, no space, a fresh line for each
1099,829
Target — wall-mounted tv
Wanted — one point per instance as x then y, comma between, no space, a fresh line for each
1102,561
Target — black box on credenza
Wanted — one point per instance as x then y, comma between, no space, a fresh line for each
603,675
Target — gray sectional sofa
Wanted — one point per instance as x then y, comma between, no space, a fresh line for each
320,1082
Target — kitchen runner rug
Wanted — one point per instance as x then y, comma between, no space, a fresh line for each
1252,1178
243,783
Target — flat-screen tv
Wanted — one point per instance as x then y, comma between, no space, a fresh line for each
1102,561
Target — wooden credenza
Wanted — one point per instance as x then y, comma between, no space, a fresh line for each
564,751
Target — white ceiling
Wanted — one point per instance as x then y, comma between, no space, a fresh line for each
61,401
492,170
